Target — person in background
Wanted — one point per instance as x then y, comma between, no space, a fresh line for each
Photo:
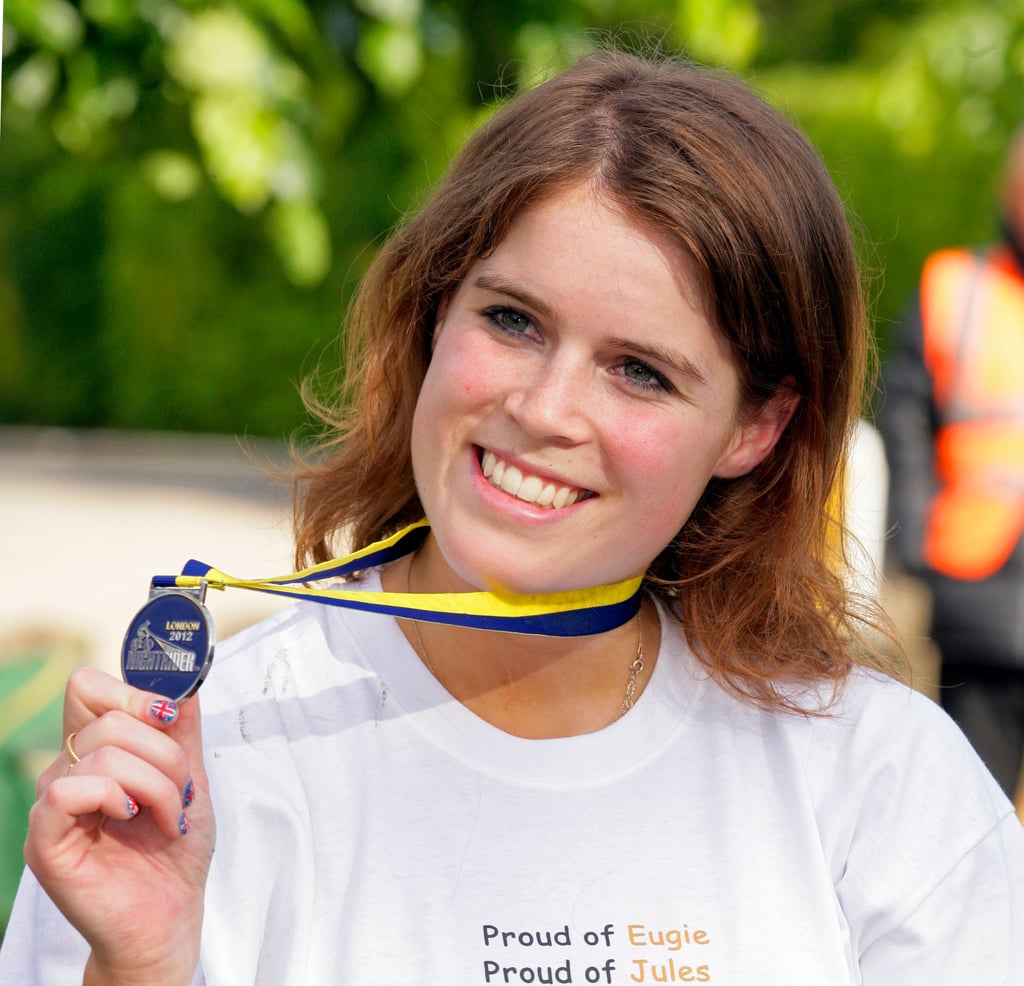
623,344
953,422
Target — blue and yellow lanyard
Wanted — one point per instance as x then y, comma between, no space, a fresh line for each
564,614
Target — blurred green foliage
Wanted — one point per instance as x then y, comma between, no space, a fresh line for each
189,189
32,677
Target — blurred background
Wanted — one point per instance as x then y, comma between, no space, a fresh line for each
190,189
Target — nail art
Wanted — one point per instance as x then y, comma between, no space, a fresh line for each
183,825
164,710
133,806
189,794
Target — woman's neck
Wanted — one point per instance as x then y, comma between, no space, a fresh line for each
531,686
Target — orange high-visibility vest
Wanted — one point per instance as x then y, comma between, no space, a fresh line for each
972,311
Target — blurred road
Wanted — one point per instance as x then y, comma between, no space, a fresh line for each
86,518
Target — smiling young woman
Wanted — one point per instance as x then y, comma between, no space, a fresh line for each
747,225
622,345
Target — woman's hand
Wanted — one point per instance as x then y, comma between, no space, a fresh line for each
121,840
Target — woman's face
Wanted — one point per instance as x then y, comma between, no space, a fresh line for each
576,404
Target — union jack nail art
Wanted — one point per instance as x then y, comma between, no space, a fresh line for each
183,825
133,806
164,710
189,794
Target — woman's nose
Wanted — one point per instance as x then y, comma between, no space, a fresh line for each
550,401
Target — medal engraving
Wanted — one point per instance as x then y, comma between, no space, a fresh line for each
168,647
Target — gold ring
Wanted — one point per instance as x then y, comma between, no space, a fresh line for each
71,750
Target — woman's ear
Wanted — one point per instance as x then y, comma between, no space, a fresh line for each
756,437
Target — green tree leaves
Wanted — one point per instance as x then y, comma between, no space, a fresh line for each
198,183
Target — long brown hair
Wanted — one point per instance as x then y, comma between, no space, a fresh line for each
694,154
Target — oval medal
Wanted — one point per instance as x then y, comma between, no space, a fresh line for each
168,648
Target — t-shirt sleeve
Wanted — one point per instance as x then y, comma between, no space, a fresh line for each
926,851
968,929
40,946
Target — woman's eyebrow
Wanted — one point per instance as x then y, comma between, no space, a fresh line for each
671,358
504,285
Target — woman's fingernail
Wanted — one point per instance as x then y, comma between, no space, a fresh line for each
132,805
189,794
164,710
183,825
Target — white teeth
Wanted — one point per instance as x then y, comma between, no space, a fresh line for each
531,489
511,480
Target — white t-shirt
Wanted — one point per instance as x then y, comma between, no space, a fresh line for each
372,831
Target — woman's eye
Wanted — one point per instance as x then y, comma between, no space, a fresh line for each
509,320
642,376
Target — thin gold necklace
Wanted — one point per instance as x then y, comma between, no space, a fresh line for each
635,668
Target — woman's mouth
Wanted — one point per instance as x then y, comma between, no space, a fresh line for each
527,487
